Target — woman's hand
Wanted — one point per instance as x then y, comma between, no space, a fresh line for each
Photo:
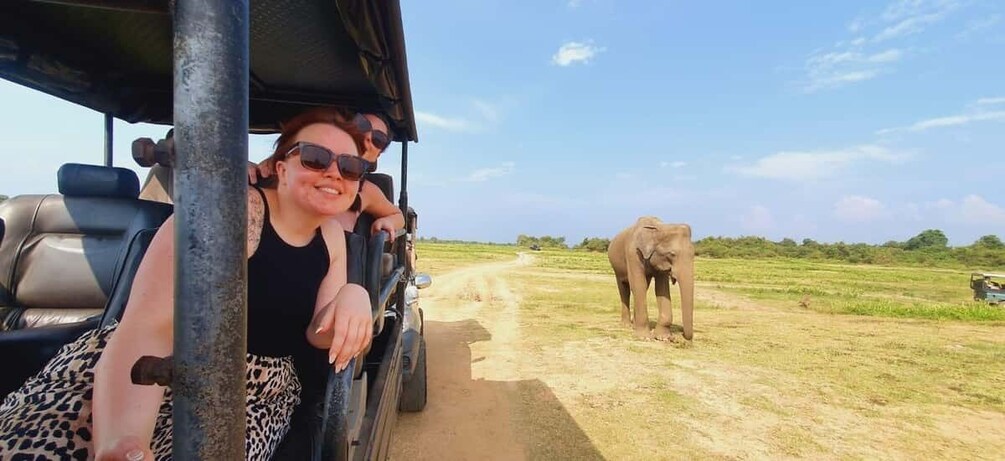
345,325
263,170
386,224
126,449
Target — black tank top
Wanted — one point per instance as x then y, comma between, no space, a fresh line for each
283,282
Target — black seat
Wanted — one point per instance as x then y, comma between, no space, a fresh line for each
66,260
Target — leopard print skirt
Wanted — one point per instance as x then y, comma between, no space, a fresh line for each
49,417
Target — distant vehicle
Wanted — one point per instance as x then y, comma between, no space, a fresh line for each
988,287
535,247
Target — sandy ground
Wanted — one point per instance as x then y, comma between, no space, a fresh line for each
479,375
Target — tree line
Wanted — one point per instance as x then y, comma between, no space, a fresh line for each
930,247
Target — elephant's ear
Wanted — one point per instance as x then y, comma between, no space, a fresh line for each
644,240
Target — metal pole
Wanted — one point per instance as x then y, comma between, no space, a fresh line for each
403,204
108,139
210,326
403,198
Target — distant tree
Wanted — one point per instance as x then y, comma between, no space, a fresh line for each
929,238
787,242
987,241
810,243
893,244
3,197
593,244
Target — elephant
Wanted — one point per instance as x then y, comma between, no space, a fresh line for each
652,249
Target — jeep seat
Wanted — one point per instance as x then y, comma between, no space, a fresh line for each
365,221
64,257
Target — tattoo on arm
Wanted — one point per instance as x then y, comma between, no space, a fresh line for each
256,217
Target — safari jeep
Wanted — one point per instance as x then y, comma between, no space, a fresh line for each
215,71
988,287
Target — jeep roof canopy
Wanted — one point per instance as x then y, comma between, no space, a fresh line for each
115,56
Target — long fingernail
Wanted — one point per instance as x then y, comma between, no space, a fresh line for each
135,455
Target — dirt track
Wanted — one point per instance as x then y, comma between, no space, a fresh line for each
472,333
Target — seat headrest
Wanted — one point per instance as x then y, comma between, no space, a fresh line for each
78,180
385,182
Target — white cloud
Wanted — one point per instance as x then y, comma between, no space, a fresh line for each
973,210
943,122
835,69
575,52
976,210
449,124
856,208
990,101
908,17
484,174
909,26
812,165
757,219
857,60
677,164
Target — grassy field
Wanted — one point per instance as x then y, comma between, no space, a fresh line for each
884,362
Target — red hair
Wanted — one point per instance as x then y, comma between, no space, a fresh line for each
323,115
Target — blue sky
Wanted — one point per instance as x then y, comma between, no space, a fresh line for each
845,120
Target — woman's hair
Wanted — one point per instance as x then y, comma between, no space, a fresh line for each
323,115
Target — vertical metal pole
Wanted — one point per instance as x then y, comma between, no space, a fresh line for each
108,139
403,204
403,197
210,326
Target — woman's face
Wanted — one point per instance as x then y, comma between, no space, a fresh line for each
322,192
372,151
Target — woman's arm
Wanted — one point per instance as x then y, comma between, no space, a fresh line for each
124,411
342,320
388,217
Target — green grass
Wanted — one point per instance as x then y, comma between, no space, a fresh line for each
833,288
908,357
438,258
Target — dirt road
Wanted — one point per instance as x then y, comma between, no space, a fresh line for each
472,334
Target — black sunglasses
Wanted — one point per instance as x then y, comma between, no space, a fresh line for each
379,138
319,158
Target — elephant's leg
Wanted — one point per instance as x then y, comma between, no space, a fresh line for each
626,292
663,301
641,319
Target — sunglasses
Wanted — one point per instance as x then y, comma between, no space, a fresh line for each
318,158
379,138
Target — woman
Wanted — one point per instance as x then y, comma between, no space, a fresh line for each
298,303
370,199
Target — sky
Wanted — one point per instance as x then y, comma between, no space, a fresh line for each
854,121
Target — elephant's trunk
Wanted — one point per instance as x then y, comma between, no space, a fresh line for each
685,281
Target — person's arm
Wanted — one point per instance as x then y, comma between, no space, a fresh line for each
125,413
388,217
342,319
